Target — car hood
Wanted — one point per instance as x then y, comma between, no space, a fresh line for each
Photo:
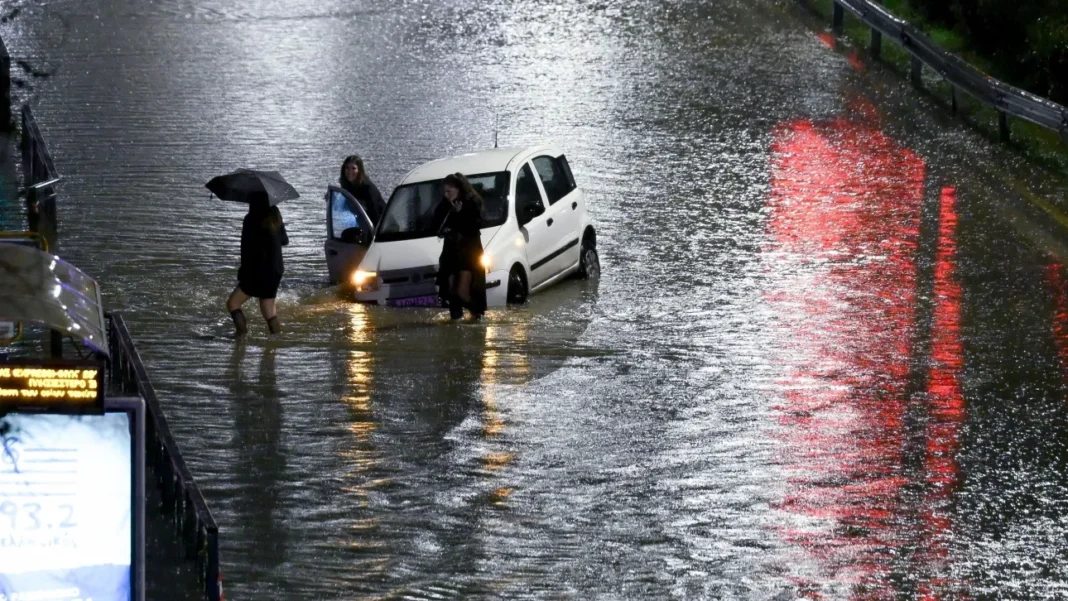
405,254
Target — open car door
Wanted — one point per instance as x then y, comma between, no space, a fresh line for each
349,232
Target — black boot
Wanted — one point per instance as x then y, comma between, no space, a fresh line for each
456,307
273,325
240,325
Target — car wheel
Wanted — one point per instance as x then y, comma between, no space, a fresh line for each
589,263
517,286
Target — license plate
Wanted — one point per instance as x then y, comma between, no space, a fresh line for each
415,301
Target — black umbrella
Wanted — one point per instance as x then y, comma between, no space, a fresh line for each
249,185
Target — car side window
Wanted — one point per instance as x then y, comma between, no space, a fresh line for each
553,177
567,171
342,217
528,202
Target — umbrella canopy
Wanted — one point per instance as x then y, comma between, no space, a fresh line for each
249,185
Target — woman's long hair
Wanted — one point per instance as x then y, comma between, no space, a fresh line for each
270,217
467,191
349,160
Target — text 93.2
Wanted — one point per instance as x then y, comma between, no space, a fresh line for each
30,515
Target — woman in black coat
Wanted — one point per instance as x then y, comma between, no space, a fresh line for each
461,277
263,234
355,181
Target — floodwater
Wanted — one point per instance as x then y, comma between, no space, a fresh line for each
827,357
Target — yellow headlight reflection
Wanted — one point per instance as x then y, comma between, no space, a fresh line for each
486,261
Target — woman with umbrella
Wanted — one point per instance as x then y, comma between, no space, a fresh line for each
263,234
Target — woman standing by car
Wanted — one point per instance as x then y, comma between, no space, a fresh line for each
263,234
461,277
355,181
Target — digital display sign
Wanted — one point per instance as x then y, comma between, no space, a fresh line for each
49,384
66,520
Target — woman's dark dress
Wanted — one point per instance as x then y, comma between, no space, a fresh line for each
367,194
261,255
461,251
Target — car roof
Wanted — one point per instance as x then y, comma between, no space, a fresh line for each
482,161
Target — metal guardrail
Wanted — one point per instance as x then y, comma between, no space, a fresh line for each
1007,100
39,177
38,168
182,499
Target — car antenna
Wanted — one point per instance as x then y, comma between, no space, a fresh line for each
495,122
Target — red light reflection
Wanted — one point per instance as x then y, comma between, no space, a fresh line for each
843,233
945,407
1055,278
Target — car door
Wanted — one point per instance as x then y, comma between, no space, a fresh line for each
348,234
563,213
530,211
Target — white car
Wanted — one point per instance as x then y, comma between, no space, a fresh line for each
536,229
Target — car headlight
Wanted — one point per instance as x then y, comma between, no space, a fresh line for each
486,261
365,280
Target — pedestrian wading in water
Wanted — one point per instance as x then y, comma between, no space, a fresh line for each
263,234
355,181
461,277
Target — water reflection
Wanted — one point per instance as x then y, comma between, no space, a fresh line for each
1058,286
260,466
945,416
843,232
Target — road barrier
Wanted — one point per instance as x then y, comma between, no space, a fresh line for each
182,500
1007,100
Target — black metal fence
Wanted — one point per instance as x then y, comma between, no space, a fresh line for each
182,499
39,177
1005,99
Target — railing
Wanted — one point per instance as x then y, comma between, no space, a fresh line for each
1005,99
182,499
39,177
38,169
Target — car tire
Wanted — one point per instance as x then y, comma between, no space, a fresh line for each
517,286
589,262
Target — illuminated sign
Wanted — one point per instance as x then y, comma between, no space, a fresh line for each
49,385
65,507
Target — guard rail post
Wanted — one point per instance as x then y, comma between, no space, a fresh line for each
953,98
837,18
1003,126
916,71
876,43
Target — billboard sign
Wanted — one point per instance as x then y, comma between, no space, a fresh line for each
68,526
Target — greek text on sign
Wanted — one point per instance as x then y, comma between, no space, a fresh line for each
41,384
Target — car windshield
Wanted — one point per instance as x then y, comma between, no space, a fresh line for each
410,212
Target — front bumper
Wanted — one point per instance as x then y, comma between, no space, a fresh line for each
416,287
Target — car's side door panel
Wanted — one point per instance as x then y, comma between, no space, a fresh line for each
530,206
561,196
348,234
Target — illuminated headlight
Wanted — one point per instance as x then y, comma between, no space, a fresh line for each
486,261
365,280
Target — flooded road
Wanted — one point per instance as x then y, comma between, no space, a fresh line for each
827,357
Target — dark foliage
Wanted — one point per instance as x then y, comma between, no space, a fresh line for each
1026,40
